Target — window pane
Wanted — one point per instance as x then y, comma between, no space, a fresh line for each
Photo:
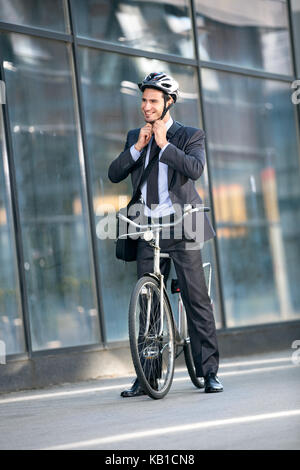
53,214
255,170
295,5
247,34
112,107
163,26
11,322
46,14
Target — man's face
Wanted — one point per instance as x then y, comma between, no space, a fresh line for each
152,104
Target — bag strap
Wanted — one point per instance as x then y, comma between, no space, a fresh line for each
144,177
147,170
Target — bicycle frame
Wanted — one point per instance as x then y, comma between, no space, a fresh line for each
153,233
181,330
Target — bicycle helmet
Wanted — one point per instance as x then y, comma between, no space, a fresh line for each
161,81
165,83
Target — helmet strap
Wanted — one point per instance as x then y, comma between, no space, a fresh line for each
166,108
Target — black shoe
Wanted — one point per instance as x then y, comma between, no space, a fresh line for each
135,391
212,383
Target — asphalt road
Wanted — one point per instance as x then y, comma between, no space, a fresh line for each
259,409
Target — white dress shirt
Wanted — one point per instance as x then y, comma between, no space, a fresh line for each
165,206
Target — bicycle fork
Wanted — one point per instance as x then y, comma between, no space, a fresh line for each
161,281
161,308
182,321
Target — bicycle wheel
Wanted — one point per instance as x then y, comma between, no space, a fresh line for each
187,350
152,344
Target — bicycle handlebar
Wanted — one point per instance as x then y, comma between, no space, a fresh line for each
171,224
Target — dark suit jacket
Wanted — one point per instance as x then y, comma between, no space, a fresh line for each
185,157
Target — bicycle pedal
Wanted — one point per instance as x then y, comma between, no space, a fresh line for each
152,352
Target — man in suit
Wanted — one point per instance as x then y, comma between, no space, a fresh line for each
179,161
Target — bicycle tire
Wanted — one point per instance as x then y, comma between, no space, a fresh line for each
152,355
187,350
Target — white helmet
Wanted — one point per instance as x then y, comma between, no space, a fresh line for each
161,81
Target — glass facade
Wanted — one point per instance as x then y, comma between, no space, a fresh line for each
158,26
53,219
110,79
295,10
46,14
11,321
255,173
70,101
252,34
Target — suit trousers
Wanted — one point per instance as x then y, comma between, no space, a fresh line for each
188,265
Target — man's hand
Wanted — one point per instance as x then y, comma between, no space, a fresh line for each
144,137
160,133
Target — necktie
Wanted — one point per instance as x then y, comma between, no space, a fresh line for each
152,181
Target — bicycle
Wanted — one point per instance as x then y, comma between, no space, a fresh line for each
156,340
